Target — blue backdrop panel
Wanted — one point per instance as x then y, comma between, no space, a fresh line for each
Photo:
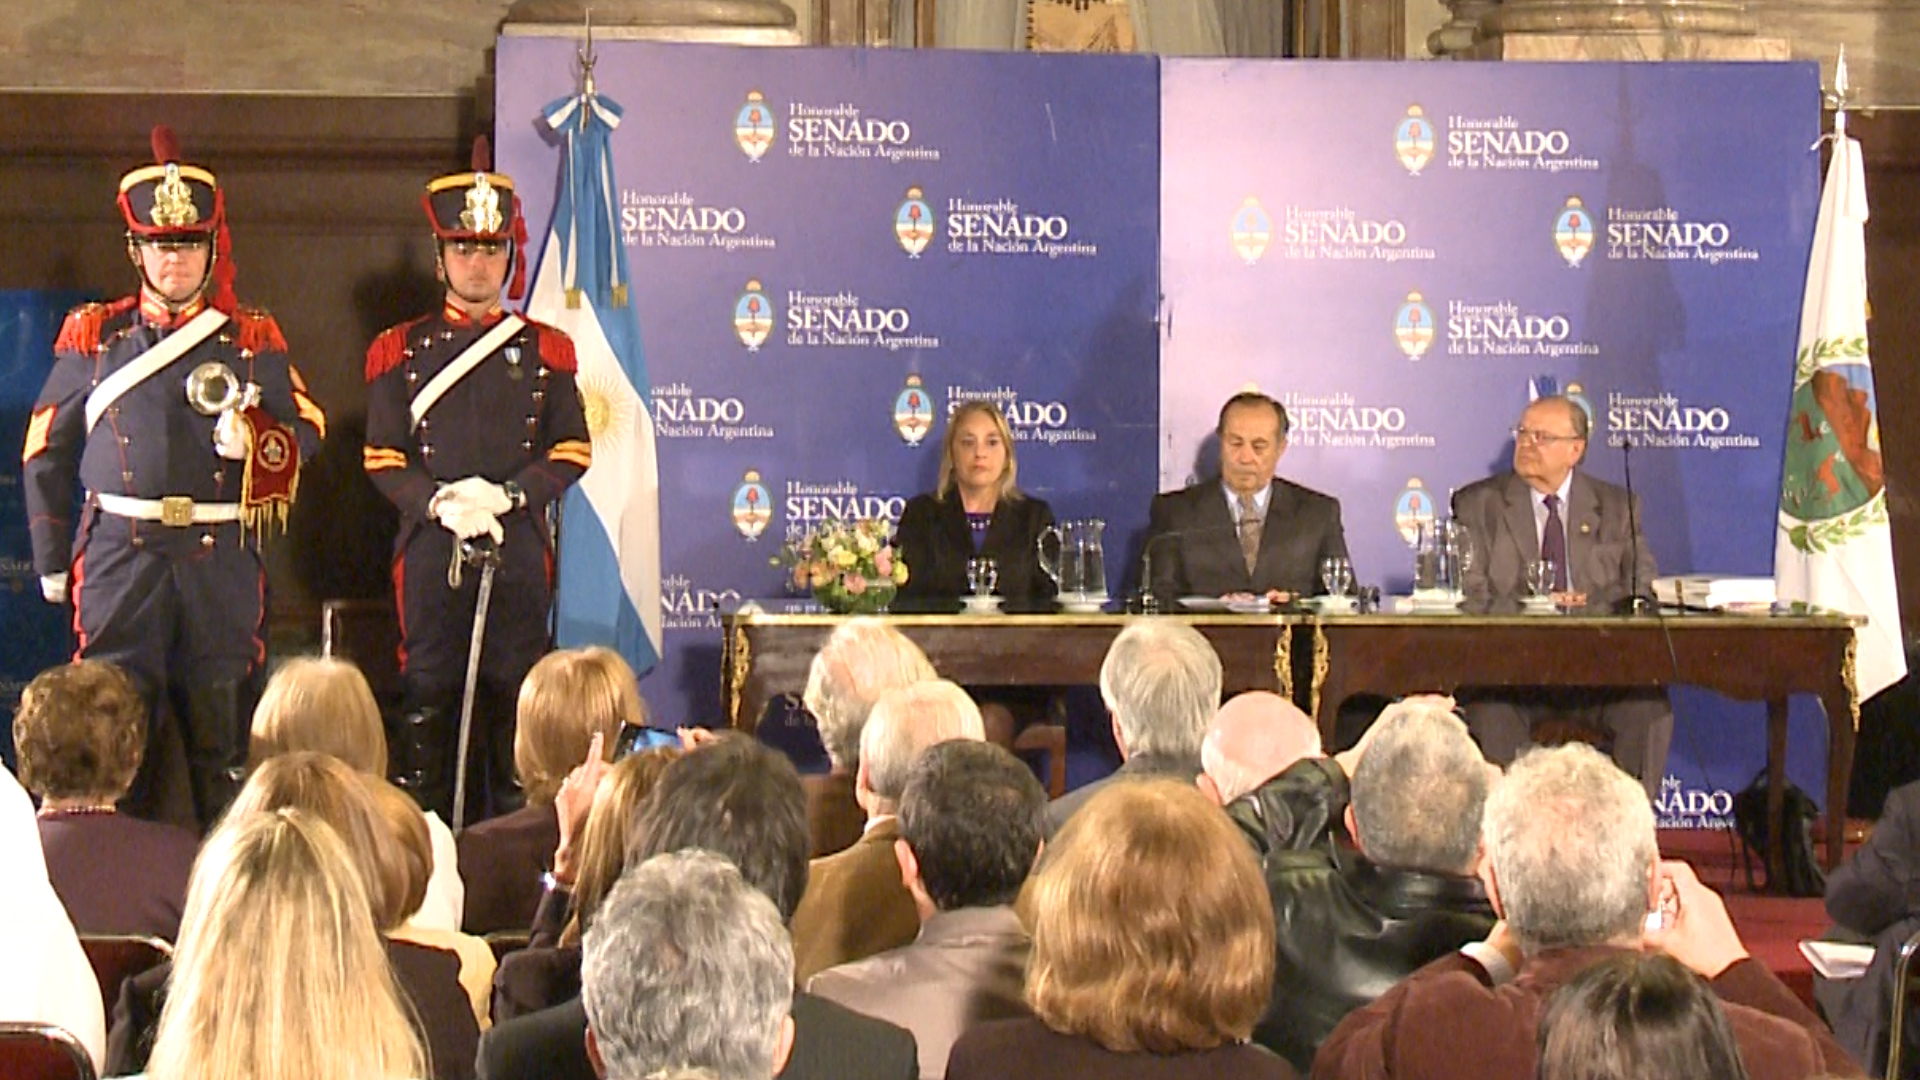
829,248
37,634
1403,253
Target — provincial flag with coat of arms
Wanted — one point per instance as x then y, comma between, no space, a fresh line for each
609,588
1833,546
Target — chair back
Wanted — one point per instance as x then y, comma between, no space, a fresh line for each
42,1052
115,958
1903,997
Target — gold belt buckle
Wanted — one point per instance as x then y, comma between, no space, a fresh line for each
176,511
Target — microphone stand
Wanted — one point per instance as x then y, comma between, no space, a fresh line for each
1633,603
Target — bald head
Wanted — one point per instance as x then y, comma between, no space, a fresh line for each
1252,739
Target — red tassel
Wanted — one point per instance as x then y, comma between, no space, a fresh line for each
482,154
519,287
389,349
556,349
224,270
166,148
259,332
81,332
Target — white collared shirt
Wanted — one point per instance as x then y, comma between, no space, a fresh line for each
1260,498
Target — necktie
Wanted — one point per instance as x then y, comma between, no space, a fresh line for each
1249,531
1553,543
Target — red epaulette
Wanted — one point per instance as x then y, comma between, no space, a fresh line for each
556,348
257,332
81,332
389,349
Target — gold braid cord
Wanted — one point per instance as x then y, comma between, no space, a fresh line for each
1847,677
1283,662
739,666
1320,664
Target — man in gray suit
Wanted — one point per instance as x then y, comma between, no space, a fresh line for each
1245,531
1547,509
972,822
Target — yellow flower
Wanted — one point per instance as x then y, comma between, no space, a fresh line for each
843,558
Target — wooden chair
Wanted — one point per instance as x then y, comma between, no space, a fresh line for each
1903,976
1052,740
115,958
42,1052
366,632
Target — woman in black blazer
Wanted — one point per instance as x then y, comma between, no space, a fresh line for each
975,510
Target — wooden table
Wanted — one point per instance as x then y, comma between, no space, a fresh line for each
1319,661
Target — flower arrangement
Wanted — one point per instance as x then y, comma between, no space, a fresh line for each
851,566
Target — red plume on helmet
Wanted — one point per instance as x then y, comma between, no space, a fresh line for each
172,200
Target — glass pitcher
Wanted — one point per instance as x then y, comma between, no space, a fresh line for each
1442,553
1078,564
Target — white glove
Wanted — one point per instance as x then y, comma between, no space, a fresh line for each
54,588
480,493
466,522
230,437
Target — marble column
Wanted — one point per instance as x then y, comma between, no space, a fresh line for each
735,22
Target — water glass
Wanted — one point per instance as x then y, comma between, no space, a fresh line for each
1540,575
1336,573
983,575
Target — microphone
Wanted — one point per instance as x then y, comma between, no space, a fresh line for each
1633,603
1147,602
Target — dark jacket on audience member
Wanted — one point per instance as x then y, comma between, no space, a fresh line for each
935,542
1135,767
117,874
429,977
1346,929
501,861
829,1043
834,816
1004,1049
854,905
1448,1020
1876,895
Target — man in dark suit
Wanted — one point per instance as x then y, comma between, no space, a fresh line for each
740,800
1245,531
1546,509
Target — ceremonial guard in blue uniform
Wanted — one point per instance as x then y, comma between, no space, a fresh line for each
179,415
474,430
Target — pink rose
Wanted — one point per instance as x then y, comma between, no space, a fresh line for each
883,562
856,584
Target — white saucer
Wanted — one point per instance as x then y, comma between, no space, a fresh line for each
1091,605
982,605
1539,605
1335,605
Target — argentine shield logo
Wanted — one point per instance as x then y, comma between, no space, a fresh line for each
1413,509
1413,140
752,506
913,412
1252,229
913,223
753,127
1413,326
753,317
1573,231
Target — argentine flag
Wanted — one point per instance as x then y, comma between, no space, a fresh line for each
609,591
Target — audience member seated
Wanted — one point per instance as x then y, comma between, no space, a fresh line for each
279,972
325,705
46,979
1251,739
1349,925
547,971
1152,949
1875,896
862,659
972,821
566,699
1573,871
741,800
406,862
1161,685
855,904
80,733
688,966
1637,1017
334,794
